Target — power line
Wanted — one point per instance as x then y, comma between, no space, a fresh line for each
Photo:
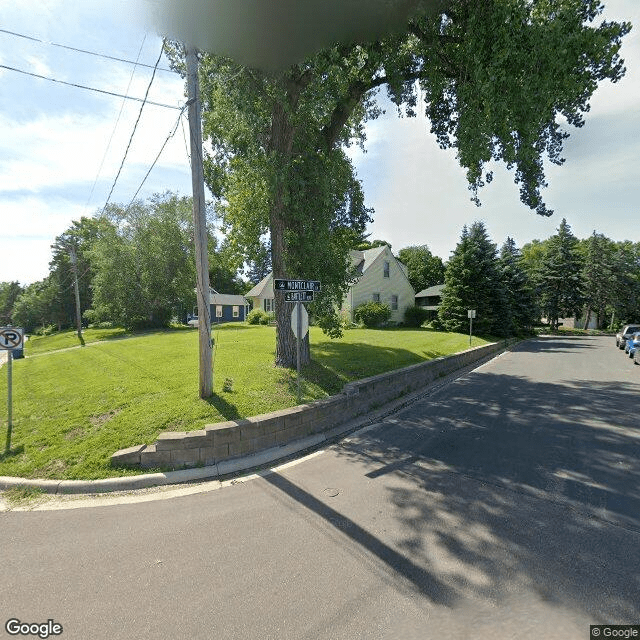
80,86
91,53
115,126
135,126
164,144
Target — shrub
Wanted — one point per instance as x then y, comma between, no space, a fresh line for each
267,318
256,316
415,316
372,314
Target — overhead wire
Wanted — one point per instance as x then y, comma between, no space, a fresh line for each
135,126
164,144
82,86
115,126
91,53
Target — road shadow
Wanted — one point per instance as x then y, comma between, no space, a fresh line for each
518,483
558,344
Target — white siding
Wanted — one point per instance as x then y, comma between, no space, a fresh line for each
373,281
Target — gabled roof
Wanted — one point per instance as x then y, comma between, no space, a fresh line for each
429,292
362,260
227,299
259,289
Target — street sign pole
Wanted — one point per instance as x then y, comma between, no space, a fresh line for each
299,340
9,403
470,329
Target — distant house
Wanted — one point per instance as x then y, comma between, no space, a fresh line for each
227,307
261,296
430,298
380,278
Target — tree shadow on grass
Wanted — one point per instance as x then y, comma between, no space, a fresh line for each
520,485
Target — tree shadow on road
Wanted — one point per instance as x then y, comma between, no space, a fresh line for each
534,484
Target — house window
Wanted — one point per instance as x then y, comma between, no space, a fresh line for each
376,297
386,270
218,311
236,312
269,305
394,303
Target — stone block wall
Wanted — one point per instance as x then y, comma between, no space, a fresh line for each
224,440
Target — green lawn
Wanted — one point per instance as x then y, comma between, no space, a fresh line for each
73,408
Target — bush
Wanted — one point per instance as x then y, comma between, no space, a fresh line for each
372,314
256,316
415,316
268,318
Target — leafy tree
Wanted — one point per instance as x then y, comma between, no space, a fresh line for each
144,262
519,308
373,244
473,281
495,76
560,278
425,269
9,292
37,306
625,304
260,266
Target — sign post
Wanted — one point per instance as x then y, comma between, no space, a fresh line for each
10,338
298,291
471,313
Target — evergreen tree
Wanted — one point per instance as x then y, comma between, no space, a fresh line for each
519,305
560,285
473,281
598,277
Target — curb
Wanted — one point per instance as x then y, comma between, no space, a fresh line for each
238,466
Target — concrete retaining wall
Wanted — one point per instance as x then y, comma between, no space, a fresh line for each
224,440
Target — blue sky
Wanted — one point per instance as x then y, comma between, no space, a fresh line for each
61,147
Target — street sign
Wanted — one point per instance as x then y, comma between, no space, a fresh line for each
11,338
298,296
471,313
296,285
304,322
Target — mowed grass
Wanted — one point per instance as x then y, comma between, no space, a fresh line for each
72,409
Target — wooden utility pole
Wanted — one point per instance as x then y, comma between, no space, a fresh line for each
200,226
74,268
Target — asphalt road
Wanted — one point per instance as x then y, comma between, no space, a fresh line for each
504,505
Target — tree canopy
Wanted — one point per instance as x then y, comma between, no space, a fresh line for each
497,77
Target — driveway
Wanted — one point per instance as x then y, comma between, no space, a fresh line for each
503,505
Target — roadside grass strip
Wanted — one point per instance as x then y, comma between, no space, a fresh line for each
73,408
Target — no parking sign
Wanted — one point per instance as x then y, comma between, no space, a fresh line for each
10,338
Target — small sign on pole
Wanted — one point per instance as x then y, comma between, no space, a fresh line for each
281,284
10,338
471,313
298,296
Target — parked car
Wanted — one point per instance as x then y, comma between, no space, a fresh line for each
625,334
636,357
632,344
192,321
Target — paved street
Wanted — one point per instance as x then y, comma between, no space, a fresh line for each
503,505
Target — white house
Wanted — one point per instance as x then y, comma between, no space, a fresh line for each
381,278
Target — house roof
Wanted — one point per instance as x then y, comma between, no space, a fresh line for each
431,291
226,298
364,259
259,289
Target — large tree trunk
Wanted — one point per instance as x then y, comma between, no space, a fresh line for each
281,143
